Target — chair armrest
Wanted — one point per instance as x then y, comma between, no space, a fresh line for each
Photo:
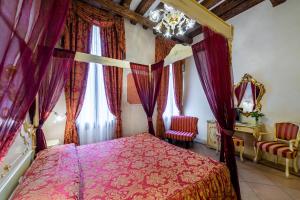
292,143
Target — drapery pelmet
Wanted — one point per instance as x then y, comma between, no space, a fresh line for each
213,61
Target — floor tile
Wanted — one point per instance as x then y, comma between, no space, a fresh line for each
259,182
269,192
246,192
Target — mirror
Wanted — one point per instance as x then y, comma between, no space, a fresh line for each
248,93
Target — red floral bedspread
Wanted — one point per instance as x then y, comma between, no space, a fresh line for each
144,167
54,175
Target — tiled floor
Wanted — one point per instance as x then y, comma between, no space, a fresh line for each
259,182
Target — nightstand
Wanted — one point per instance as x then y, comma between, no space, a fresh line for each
52,143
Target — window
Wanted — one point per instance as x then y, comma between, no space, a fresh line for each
171,108
95,122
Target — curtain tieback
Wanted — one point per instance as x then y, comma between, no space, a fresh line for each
149,119
228,132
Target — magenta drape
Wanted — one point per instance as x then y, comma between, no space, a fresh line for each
240,91
213,62
29,32
147,85
51,88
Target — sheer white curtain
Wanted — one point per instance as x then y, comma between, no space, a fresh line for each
171,108
95,122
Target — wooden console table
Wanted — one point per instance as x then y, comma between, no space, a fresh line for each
252,130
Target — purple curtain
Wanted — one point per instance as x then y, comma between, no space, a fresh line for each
147,85
212,58
254,95
240,91
51,88
29,32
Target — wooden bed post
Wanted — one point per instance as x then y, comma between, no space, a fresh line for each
35,121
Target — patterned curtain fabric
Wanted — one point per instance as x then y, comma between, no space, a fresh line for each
26,48
147,85
113,46
50,90
178,84
162,49
212,58
240,91
76,38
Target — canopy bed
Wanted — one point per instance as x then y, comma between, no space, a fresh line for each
136,167
216,79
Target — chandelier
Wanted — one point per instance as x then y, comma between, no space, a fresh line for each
170,21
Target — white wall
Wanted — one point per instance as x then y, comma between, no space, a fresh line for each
140,48
266,45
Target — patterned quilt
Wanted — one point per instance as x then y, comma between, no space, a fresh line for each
137,167
54,175
144,167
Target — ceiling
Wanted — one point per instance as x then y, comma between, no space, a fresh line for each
137,11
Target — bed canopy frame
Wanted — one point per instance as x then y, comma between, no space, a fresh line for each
192,9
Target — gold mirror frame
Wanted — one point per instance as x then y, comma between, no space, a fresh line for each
248,78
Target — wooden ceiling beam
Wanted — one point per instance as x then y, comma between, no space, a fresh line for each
210,3
197,29
143,7
240,8
277,2
126,3
121,10
118,9
229,9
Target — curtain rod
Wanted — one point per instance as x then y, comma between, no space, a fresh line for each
178,52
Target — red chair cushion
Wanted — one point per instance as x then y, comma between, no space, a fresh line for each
276,148
180,135
238,141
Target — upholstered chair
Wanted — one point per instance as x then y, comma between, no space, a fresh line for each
183,128
285,144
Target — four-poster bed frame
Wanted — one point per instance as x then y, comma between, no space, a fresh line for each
192,9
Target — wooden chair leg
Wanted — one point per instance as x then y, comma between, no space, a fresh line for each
287,167
218,146
187,144
242,148
295,163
